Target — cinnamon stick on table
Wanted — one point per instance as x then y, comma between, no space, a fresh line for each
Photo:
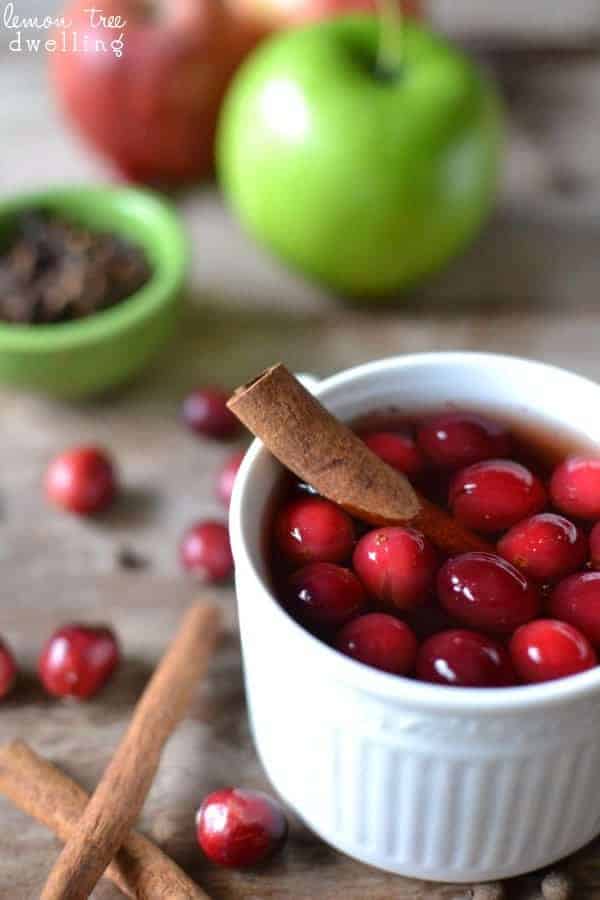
119,797
325,453
140,870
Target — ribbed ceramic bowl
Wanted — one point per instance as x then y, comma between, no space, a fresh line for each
88,356
453,784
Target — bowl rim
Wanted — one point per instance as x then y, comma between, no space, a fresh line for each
167,271
409,692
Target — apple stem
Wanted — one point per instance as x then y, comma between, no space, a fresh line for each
390,51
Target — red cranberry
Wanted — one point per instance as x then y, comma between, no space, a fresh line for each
575,487
205,412
547,649
311,529
397,450
461,658
206,552
78,660
397,566
576,600
8,670
457,439
545,547
595,546
494,495
227,475
485,592
239,828
324,596
380,641
81,480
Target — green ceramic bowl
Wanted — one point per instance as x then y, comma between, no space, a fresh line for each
75,359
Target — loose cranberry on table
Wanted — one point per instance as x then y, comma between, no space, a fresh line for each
576,600
226,478
547,649
78,660
205,412
205,551
455,439
324,596
379,640
462,658
82,480
494,495
397,565
484,591
545,547
311,529
397,449
575,487
240,828
8,670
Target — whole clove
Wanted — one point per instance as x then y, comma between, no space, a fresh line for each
53,270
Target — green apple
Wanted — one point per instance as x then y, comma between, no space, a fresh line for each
363,180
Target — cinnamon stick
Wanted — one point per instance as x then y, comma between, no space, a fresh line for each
325,453
119,797
140,870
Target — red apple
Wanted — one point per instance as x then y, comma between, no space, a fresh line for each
153,109
281,13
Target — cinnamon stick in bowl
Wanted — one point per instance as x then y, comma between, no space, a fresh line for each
324,452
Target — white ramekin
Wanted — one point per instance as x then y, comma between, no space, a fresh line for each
452,784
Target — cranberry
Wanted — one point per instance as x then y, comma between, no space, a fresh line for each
205,411
486,592
576,600
81,480
325,596
381,641
397,566
575,487
547,649
227,475
494,495
311,529
206,552
239,828
546,547
457,439
595,546
461,658
8,670
78,660
397,449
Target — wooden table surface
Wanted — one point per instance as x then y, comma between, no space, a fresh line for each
530,285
